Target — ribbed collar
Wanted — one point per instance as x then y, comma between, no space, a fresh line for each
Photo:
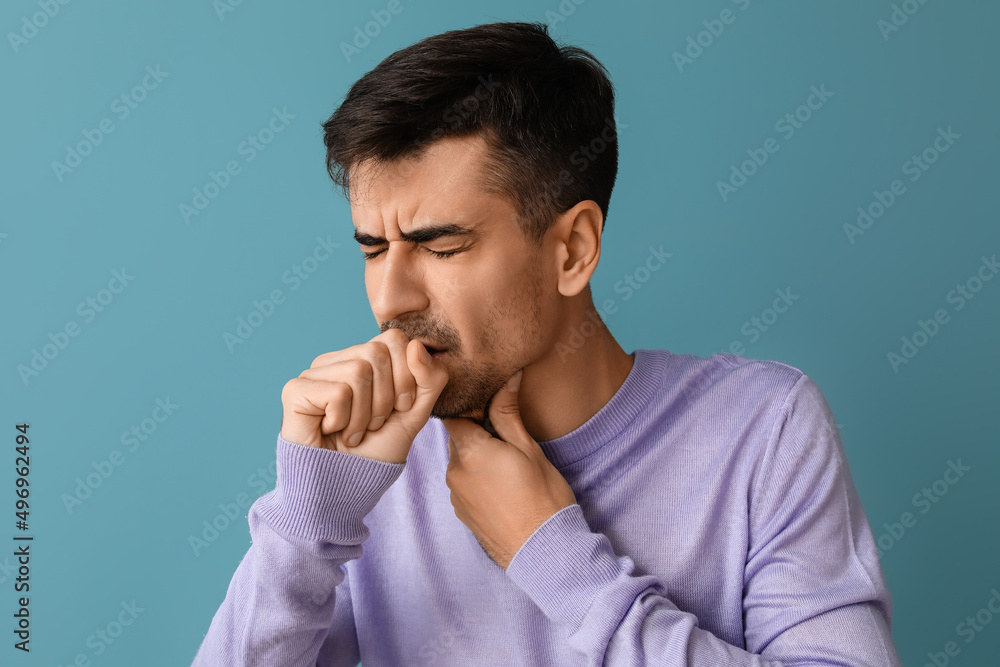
647,374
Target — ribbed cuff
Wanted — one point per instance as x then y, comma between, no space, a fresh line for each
564,567
323,494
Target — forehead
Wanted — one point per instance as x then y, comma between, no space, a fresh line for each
447,179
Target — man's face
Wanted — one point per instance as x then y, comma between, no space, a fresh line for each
486,305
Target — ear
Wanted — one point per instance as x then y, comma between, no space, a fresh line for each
577,237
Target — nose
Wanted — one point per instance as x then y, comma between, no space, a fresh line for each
395,284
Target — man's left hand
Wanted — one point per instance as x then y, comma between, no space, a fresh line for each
502,489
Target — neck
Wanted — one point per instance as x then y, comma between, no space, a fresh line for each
563,389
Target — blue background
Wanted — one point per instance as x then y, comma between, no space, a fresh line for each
681,129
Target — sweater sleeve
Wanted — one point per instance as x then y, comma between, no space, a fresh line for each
280,605
813,590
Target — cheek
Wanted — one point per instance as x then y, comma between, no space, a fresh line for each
455,290
372,276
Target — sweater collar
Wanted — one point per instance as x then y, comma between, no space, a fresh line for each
647,374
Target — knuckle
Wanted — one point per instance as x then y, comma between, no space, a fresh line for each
320,360
343,392
379,354
512,409
395,336
289,387
361,371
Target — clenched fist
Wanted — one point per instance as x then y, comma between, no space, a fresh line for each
369,399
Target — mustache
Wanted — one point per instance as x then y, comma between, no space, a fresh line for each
422,332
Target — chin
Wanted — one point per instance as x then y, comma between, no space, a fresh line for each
449,412
448,406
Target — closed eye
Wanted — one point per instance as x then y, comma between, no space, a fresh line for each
441,255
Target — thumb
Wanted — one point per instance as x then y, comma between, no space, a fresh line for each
431,377
505,415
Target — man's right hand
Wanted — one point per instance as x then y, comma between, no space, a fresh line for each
345,393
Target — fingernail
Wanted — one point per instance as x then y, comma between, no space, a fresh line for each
355,439
514,382
404,402
376,423
425,358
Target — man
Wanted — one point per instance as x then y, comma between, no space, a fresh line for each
528,493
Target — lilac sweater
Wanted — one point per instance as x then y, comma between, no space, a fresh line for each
717,525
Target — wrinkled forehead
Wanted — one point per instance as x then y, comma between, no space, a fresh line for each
446,181
455,165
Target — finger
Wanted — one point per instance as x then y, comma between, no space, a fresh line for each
338,397
382,398
505,415
313,408
464,434
453,455
328,358
359,375
404,384
383,392
430,376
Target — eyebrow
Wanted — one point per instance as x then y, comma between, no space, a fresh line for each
422,235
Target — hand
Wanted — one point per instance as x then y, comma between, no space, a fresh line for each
379,390
502,489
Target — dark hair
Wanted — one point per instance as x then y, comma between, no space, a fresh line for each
545,111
